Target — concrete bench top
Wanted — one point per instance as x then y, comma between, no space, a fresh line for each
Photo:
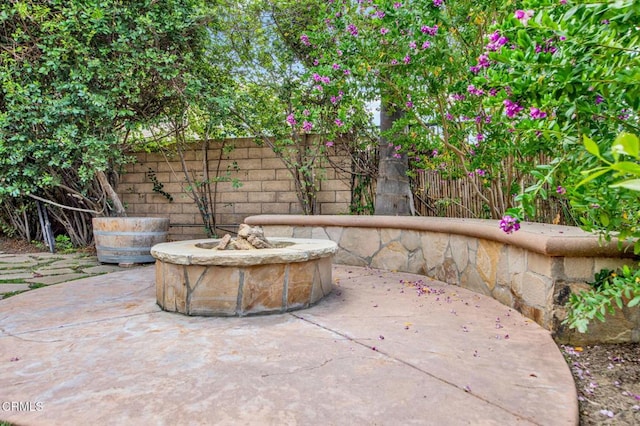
546,239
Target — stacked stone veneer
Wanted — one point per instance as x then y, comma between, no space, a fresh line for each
533,270
193,279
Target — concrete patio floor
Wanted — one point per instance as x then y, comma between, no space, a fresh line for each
383,349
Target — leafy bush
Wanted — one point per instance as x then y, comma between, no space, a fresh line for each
610,290
64,244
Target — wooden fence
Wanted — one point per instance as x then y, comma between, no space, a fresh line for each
437,196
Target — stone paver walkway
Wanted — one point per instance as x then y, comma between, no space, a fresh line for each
383,349
19,273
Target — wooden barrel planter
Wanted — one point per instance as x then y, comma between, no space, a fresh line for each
128,239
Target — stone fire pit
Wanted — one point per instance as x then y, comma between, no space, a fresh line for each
194,278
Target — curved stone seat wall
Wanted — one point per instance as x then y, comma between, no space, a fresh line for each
532,271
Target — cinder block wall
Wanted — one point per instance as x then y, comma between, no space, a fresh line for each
267,187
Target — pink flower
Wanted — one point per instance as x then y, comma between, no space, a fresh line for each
426,44
474,90
407,59
306,112
429,30
496,41
512,108
412,45
509,224
291,119
338,122
607,413
524,16
307,126
437,3
305,40
329,143
383,30
483,61
535,113
409,104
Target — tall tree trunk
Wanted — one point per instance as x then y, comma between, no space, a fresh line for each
393,190
118,207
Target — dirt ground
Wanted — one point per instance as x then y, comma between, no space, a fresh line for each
607,377
13,246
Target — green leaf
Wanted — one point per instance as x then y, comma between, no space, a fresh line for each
627,167
618,300
633,302
629,144
582,326
543,193
524,40
570,13
591,146
593,175
633,184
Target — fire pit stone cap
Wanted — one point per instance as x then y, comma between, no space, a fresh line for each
287,250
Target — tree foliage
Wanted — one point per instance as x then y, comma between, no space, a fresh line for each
572,70
77,77
414,57
260,47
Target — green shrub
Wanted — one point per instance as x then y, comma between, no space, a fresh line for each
610,290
